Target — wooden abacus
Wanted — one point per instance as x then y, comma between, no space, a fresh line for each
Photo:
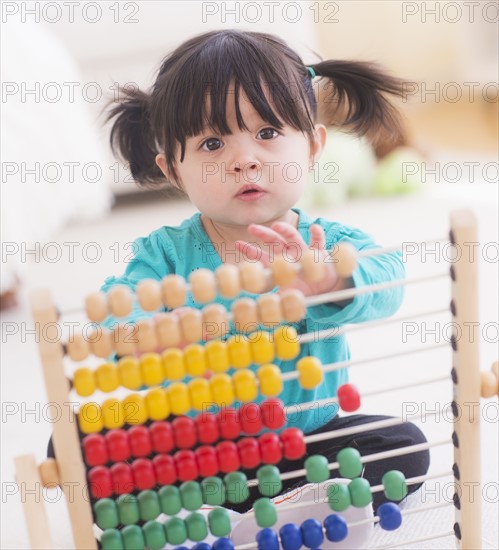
98,465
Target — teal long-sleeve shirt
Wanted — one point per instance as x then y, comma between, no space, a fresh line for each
185,248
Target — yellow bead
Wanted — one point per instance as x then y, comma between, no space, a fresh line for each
239,351
270,380
217,356
200,394
222,390
84,381
151,369
245,386
194,359
287,345
310,372
157,404
173,364
178,396
113,414
106,377
135,409
129,371
90,418
262,347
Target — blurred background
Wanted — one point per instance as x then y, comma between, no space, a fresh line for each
70,211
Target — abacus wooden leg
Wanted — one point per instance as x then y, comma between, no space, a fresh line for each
30,489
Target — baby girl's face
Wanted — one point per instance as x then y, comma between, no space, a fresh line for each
249,176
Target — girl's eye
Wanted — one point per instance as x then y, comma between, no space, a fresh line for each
268,133
212,144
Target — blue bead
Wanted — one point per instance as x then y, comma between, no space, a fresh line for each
267,539
223,544
291,537
312,533
181,548
390,517
201,546
336,528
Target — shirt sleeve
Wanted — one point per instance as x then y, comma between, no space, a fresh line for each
370,270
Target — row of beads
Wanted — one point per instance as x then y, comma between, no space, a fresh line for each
179,398
187,465
173,364
182,433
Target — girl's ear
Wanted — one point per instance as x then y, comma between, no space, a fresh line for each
161,162
318,144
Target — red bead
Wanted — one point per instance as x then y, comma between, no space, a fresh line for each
118,446
348,398
249,452
140,441
184,432
293,445
207,428
143,474
273,414
100,483
161,437
250,417
94,447
228,457
165,469
207,460
228,423
270,448
187,469
121,474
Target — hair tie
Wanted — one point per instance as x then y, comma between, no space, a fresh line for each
312,72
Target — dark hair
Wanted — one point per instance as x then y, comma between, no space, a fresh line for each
350,95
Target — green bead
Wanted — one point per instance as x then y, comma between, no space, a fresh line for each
350,463
236,487
111,540
133,538
106,513
149,506
219,522
128,509
394,485
154,535
191,495
265,512
169,499
213,490
360,492
269,480
338,497
196,526
175,530
317,467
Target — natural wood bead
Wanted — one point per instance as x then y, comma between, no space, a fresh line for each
269,309
120,300
229,285
283,272
245,315
203,285
49,473
313,267
96,306
125,339
78,348
191,325
345,259
293,305
149,295
495,369
101,343
168,330
174,291
215,322
489,384
252,276
146,336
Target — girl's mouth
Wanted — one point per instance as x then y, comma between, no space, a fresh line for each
250,193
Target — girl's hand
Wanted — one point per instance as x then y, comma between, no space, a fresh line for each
283,236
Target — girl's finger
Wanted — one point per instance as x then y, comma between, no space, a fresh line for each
269,236
317,237
290,234
252,252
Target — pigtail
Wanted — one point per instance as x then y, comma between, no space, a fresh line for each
351,95
132,137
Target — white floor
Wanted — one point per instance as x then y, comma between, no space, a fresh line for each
25,426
